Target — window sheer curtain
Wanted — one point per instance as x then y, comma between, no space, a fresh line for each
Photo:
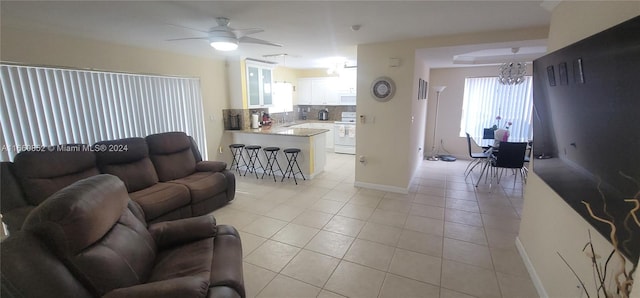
485,98
43,106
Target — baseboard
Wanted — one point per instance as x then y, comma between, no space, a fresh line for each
532,271
382,187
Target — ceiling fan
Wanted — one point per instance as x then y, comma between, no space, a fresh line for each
225,38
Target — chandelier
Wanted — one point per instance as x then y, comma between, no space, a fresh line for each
512,73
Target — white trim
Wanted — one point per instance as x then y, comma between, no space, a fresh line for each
532,271
382,187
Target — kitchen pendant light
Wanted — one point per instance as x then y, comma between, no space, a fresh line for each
512,73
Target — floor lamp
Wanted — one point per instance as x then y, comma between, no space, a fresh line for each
434,151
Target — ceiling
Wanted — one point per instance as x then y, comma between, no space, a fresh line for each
312,33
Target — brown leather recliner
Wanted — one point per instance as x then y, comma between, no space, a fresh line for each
90,240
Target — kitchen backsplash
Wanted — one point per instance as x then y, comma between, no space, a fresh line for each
299,112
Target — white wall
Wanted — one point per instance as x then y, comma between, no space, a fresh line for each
550,226
42,48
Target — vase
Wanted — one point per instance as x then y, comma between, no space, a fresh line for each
500,135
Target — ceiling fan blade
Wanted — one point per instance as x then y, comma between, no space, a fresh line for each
247,39
187,38
188,28
244,32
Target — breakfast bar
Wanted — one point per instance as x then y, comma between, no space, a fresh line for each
311,142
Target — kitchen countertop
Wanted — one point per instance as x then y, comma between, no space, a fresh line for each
284,131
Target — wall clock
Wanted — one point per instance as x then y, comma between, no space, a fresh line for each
383,89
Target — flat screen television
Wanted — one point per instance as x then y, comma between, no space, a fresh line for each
586,127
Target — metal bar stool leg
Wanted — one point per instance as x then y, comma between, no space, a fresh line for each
292,159
236,152
271,153
253,158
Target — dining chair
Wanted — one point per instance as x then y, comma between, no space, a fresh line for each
476,158
511,155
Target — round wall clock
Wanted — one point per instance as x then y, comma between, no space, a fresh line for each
383,89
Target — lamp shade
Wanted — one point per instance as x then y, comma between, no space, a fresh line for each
439,88
224,45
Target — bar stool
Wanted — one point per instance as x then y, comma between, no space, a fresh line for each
272,159
252,151
292,158
236,152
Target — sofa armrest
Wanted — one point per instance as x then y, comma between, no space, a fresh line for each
211,166
188,286
170,233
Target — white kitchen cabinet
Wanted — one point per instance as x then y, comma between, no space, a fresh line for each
304,91
324,91
259,85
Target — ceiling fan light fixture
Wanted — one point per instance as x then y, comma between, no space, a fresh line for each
224,45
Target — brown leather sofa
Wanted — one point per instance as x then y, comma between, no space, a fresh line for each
90,240
163,173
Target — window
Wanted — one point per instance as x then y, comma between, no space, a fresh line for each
485,99
43,106
282,98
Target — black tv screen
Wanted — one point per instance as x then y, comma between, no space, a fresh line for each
586,126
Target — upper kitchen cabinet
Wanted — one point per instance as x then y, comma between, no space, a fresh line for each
318,91
259,85
304,91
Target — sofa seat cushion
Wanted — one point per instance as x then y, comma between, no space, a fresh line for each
203,185
191,259
161,198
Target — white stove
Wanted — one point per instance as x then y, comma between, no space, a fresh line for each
345,134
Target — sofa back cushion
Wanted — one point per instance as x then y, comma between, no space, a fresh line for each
42,173
128,159
90,228
171,155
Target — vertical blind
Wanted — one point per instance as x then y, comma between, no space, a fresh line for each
43,106
485,99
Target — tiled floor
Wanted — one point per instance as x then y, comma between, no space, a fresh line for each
327,238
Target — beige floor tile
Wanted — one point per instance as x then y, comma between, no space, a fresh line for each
501,239
353,280
250,242
427,211
264,226
417,266
463,217
370,254
501,223
461,195
421,242
468,253
371,192
438,201
255,278
380,233
425,225
302,201
508,261
282,287
446,293
332,244
390,218
396,205
344,225
464,205
339,196
408,197
397,286
465,233
312,218
296,235
355,211
504,211
234,217
285,212
327,206
272,255
469,279
365,201
431,190
516,286
327,294
311,267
